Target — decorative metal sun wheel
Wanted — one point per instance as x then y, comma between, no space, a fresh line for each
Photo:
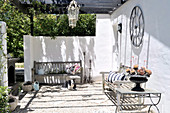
137,26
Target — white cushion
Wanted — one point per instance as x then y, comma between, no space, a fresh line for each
115,76
40,71
109,79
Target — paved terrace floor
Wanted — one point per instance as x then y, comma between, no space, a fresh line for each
88,98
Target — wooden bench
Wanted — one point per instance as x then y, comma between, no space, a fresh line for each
126,100
56,72
116,84
110,89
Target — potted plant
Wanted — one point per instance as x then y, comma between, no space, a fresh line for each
4,107
27,86
138,76
12,103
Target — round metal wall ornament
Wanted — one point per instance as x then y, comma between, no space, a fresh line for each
137,26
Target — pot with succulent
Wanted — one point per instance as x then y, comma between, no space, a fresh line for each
13,102
138,76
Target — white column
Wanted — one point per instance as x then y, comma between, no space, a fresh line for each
103,45
28,56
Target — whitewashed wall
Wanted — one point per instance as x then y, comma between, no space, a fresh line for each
61,49
156,46
103,45
97,48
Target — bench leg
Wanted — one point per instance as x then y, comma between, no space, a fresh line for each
118,103
70,83
103,82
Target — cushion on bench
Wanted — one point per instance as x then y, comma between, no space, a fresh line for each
113,76
73,69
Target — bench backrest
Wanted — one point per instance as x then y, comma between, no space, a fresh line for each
56,67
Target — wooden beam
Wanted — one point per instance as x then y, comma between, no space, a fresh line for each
20,6
86,6
32,24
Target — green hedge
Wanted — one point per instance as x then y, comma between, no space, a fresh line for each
51,25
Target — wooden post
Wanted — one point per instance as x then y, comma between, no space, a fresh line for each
90,72
32,24
81,71
103,82
85,77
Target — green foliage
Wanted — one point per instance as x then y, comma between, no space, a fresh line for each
50,25
4,107
18,25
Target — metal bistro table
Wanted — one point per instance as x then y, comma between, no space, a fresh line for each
134,100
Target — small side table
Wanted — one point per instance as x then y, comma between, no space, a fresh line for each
134,100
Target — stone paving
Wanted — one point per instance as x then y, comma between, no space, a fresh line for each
88,98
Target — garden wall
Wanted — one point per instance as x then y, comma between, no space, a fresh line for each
155,49
98,49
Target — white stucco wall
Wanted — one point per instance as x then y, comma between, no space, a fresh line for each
46,49
156,46
103,45
28,57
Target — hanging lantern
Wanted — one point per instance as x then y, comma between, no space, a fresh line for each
73,13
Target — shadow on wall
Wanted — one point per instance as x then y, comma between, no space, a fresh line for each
156,42
64,49
128,54
87,48
123,50
158,26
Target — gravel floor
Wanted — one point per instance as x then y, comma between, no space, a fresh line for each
88,98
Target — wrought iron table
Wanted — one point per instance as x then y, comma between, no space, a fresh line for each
127,99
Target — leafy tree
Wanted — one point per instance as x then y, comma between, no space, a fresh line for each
18,25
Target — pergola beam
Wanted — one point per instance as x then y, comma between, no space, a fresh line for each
20,6
60,7
86,6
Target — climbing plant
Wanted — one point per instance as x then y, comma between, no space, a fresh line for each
4,107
